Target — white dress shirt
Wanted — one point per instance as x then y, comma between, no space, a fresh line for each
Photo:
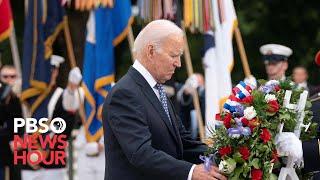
152,82
147,76
303,85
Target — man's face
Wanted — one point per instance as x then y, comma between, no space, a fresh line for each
299,75
166,59
276,69
8,76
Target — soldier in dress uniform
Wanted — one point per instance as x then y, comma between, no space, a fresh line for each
309,151
195,83
64,104
37,172
275,57
10,108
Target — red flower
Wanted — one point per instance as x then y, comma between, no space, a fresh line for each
245,153
265,135
256,174
274,155
247,100
225,151
273,106
245,121
253,123
218,117
277,88
227,120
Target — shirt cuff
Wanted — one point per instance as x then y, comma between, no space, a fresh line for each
191,172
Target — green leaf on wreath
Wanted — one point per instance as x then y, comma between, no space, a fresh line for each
262,81
246,169
237,157
273,177
235,175
255,163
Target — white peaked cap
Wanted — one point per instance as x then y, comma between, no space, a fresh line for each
277,49
75,75
56,60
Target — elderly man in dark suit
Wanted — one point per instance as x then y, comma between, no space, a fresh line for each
144,138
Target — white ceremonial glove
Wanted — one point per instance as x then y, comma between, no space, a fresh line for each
192,82
288,144
251,80
92,148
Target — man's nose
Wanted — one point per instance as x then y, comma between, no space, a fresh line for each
177,62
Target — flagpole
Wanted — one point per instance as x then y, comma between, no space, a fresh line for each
73,64
195,96
242,53
15,52
7,173
68,40
131,42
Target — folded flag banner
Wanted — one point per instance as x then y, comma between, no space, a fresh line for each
218,59
106,27
42,25
6,22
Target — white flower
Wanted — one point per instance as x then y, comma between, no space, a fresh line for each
270,97
250,113
272,82
234,136
292,83
227,166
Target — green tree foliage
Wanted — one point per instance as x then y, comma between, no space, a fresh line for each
294,23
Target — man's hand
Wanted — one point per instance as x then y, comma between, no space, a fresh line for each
200,173
251,80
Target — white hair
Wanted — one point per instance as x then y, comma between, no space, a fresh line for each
154,33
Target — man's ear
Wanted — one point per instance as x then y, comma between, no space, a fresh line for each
150,51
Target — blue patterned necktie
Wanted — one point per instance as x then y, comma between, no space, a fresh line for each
163,99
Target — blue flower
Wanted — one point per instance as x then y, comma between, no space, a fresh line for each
208,161
246,131
238,122
238,111
266,89
234,132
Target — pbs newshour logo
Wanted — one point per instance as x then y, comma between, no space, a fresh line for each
56,125
42,142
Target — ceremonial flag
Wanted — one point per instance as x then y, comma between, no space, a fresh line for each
6,22
43,22
218,58
106,28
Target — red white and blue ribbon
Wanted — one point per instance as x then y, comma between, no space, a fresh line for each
242,90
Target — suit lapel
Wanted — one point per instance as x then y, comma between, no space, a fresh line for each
152,97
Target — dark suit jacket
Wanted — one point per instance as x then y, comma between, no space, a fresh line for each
140,142
10,108
311,149
313,89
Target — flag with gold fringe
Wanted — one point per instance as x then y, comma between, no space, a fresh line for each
106,27
43,23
